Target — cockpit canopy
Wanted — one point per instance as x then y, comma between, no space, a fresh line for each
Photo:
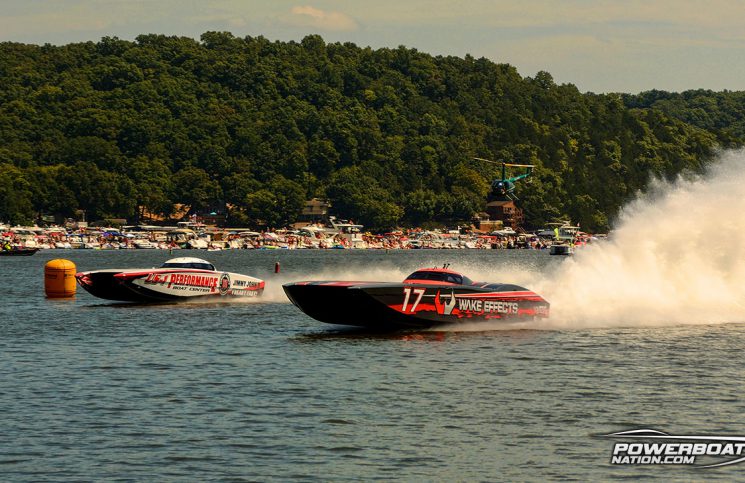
189,262
439,276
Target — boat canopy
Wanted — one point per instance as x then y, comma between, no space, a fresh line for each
446,276
188,262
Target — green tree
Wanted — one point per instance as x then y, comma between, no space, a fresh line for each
15,196
358,196
193,187
277,205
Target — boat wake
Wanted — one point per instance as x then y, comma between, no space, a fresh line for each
675,257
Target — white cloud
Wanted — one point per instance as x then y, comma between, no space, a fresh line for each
541,13
307,16
51,22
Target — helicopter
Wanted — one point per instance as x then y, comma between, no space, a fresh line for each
504,187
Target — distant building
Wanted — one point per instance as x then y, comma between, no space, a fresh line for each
482,224
315,210
505,211
213,219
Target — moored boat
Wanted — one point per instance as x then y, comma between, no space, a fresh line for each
143,244
560,249
426,298
18,252
177,279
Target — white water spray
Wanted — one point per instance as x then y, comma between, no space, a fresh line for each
677,256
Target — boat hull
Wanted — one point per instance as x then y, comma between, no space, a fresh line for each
385,306
19,252
560,250
168,285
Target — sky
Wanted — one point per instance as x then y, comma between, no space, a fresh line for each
598,45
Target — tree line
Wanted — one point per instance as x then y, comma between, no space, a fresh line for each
255,127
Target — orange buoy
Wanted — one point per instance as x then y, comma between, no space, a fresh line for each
59,278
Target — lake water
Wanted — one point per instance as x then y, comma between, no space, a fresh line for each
257,391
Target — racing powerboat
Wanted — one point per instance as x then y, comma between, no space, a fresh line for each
427,297
177,279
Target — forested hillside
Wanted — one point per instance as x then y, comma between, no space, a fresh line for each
719,112
387,135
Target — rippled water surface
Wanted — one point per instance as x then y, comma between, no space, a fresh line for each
94,390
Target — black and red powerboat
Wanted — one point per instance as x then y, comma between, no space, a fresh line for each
428,297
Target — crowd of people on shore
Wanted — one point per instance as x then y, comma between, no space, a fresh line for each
310,237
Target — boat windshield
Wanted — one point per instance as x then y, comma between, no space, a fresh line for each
440,277
196,265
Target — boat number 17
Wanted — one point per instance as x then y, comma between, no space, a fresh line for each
418,292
